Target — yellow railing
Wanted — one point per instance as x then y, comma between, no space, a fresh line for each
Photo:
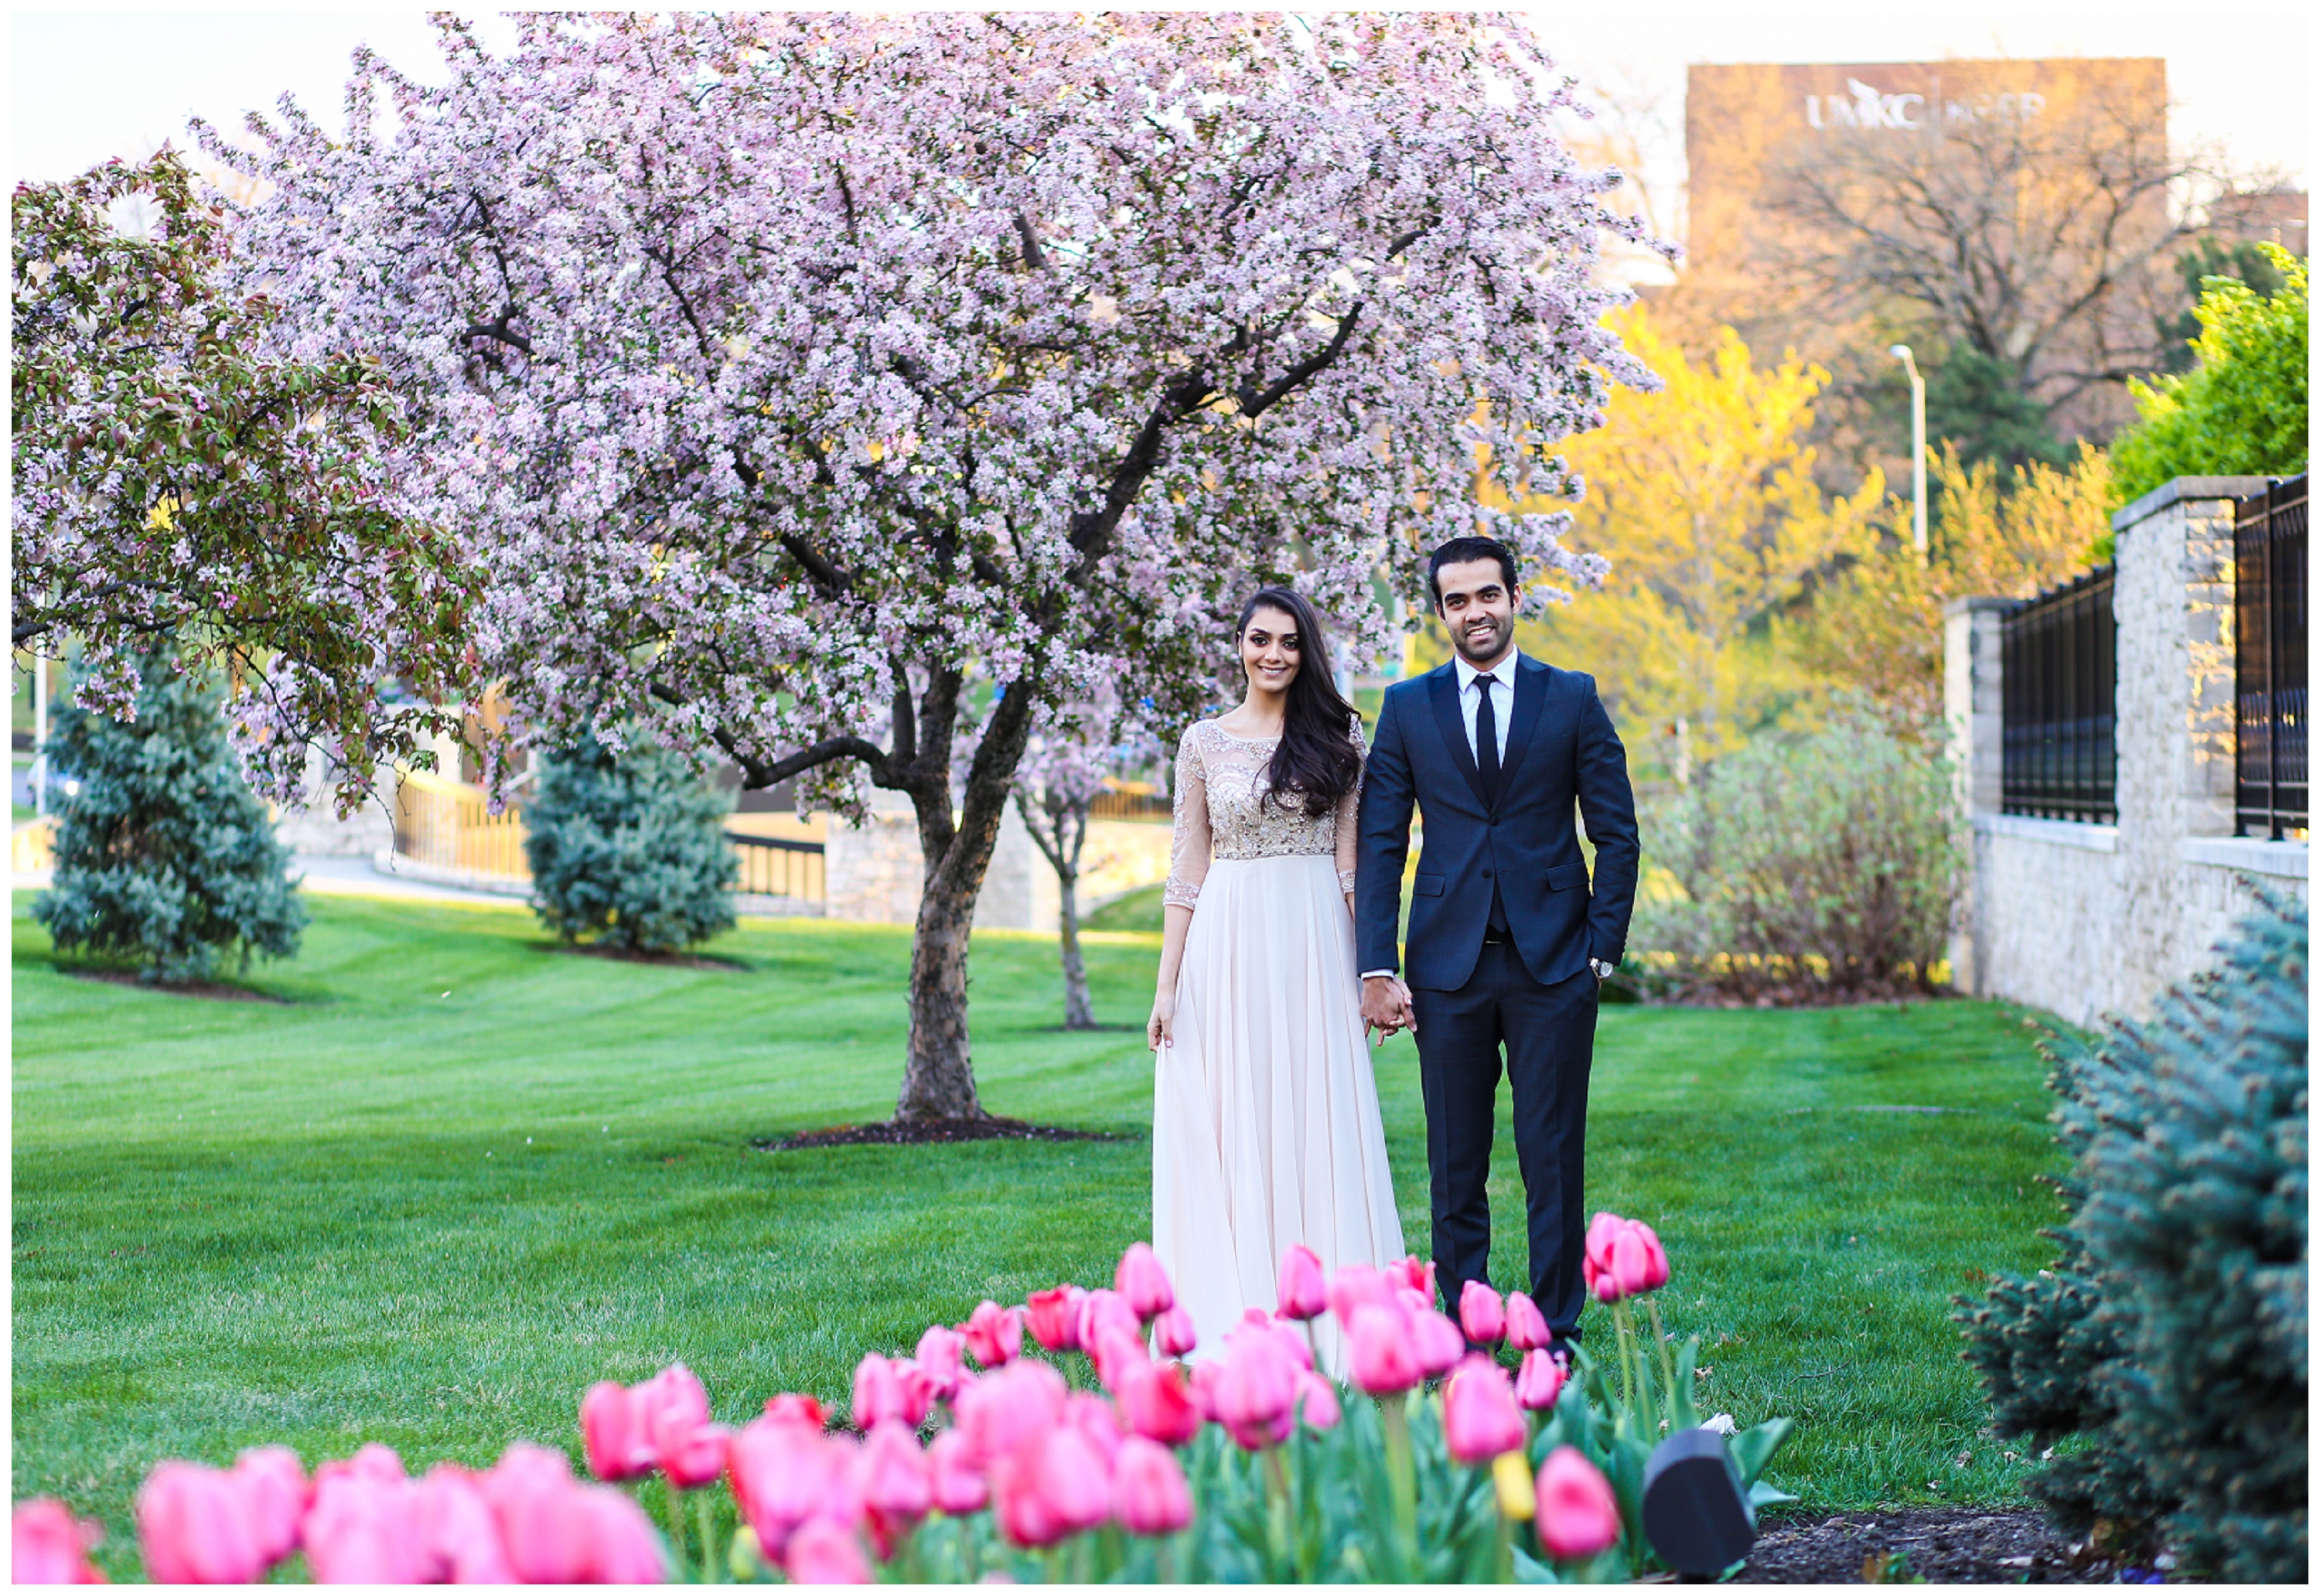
447,824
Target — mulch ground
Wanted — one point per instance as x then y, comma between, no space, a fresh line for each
897,1133
1945,1545
215,991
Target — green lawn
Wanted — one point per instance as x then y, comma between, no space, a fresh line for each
461,1174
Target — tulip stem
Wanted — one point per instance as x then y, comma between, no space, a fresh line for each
1276,1517
1505,1550
675,1505
707,1541
1621,1326
1402,1476
1667,1360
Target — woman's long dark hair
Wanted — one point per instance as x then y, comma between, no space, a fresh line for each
1316,757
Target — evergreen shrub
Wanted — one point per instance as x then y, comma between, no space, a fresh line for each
2170,1336
163,856
628,849
1805,866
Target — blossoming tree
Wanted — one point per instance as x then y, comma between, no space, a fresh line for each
792,374
180,485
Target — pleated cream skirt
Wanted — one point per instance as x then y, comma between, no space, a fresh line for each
1266,1129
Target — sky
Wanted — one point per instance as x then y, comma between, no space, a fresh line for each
87,84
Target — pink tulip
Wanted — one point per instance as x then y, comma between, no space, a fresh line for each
1116,1354
1437,1342
46,1545
530,1491
1540,1380
1577,1515
1054,1317
1382,1357
1095,1418
1481,1313
1255,1397
1173,1335
462,1533
939,1352
782,1474
1054,1486
1148,1493
896,1481
1414,1276
993,1334
797,1408
1356,1286
1102,1308
674,1405
1655,1273
194,1528
999,1412
1480,1419
615,1433
621,1546
879,1395
1292,1340
272,1486
1631,1263
1144,1282
1205,1376
959,1487
364,1530
823,1553
1602,1230
1526,1325
1317,1401
695,1459
1156,1402
1300,1287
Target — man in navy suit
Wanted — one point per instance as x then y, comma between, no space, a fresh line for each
1508,944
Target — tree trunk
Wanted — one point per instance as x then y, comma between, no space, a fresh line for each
1079,1009
938,1074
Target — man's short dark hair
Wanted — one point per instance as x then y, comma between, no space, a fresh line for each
1460,551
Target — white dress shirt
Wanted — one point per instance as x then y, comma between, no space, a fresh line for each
1502,699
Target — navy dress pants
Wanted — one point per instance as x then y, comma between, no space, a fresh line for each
1547,1034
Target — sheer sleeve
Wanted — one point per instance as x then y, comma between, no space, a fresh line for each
1188,853
1349,810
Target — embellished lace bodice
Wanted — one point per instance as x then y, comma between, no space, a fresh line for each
1221,780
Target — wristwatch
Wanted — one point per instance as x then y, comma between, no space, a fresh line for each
1603,970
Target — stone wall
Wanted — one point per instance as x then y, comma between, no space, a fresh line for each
2080,919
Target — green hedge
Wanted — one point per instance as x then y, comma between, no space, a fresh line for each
2164,1355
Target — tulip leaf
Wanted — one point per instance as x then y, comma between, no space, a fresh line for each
1531,1571
1761,1495
1752,1449
1682,1412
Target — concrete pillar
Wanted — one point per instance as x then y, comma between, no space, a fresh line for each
1973,702
2176,727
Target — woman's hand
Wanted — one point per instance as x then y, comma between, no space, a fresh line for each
1162,1027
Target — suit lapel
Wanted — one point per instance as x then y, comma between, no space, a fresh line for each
1443,688
1530,698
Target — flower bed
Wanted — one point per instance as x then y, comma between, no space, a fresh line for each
1061,1439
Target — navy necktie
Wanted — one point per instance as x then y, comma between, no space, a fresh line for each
1486,738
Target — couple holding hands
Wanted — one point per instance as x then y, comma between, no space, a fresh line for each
1282,907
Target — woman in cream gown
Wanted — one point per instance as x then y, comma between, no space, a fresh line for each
1266,1129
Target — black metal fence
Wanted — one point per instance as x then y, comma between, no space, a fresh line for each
778,867
2273,585
2059,674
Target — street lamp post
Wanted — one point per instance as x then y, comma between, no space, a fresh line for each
1900,352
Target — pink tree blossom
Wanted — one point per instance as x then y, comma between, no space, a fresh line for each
795,380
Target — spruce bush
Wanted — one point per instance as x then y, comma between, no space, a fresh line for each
628,849
1809,866
2170,1336
163,856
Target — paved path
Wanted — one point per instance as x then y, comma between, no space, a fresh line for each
347,876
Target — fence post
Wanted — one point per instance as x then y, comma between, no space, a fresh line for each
1973,699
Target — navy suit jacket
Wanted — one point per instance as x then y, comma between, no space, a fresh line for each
1559,749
